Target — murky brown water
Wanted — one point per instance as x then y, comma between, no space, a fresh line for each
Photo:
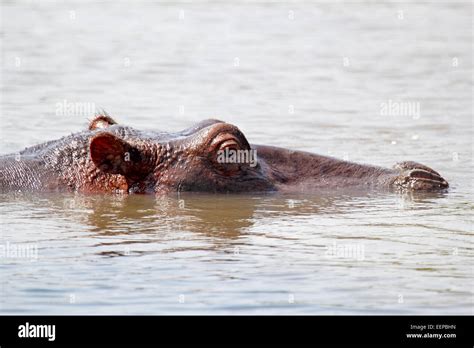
309,76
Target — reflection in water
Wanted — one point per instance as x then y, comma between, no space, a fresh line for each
222,248
213,216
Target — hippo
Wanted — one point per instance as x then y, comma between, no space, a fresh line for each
211,156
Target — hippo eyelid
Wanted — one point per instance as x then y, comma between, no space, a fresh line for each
224,140
229,144
219,132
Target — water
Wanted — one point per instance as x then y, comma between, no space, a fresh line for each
308,76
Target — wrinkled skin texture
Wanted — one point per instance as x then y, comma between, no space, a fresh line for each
113,158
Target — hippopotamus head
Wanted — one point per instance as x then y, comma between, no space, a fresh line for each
211,156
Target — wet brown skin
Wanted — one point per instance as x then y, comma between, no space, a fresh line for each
112,158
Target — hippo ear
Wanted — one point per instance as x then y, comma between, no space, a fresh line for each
101,121
114,155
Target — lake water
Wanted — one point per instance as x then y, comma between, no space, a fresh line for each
373,83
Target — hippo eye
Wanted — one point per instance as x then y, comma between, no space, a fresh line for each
224,154
230,144
224,142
